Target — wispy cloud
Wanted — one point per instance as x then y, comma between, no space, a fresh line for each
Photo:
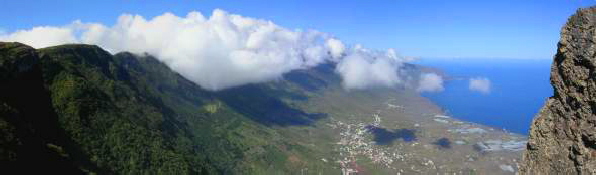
480,84
430,82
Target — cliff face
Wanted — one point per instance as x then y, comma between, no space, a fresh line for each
563,135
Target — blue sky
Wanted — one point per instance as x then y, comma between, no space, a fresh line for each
425,28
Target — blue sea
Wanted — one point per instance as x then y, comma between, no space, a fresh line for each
519,88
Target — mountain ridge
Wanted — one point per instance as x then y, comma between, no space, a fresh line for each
113,106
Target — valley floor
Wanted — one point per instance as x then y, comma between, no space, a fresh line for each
389,132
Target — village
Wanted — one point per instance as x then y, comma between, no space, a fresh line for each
376,143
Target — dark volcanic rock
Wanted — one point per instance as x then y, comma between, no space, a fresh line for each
563,135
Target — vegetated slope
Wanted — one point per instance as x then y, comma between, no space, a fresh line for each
28,123
563,135
78,108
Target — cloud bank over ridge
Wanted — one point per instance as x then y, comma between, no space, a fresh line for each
224,50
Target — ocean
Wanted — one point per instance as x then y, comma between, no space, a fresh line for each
519,88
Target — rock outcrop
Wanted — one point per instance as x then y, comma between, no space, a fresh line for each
563,135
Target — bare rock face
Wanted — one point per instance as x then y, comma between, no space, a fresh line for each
563,135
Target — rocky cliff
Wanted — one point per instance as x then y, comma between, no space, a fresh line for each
563,135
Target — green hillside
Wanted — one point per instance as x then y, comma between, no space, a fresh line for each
78,109
81,108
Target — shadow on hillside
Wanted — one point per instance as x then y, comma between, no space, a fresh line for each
26,106
443,143
314,79
384,136
305,81
255,103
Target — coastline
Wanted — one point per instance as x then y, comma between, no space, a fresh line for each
388,131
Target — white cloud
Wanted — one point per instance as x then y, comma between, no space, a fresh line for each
430,82
41,36
361,69
223,50
480,84
336,47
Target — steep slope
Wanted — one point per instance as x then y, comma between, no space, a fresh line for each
83,109
28,124
563,135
